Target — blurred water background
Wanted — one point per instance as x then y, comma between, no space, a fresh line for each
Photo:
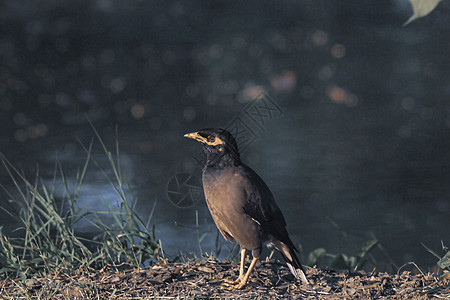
342,111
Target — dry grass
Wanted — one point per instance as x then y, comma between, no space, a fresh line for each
45,241
202,279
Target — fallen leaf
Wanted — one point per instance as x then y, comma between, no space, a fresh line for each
421,8
206,269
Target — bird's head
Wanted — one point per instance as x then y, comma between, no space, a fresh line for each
219,145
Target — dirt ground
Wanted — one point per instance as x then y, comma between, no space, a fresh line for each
202,280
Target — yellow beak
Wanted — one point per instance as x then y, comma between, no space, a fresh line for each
195,136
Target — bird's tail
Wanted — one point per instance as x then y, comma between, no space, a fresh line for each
292,261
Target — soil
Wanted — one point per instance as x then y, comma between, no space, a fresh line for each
203,280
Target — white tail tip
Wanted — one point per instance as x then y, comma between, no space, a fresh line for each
298,273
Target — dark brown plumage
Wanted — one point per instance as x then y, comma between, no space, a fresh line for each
241,204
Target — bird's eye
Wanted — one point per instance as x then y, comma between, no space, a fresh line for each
211,138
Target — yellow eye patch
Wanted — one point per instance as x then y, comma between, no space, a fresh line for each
214,141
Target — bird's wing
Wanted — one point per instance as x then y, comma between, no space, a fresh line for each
260,204
262,208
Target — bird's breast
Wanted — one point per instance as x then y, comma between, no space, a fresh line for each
224,189
225,196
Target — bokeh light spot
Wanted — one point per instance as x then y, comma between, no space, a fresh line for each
203,58
138,111
278,42
341,96
251,92
215,51
319,38
32,132
41,129
408,103
88,62
62,99
326,72
404,131
338,50
21,135
118,84
352,100
336,94
239,42
284,82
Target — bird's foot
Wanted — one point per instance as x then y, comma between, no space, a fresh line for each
241,281
233,284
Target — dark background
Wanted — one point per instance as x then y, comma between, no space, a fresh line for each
357,147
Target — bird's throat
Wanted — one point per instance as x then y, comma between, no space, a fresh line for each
216,160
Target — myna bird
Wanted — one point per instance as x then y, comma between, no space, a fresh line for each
242,205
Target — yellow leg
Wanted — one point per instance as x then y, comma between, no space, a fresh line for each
244,280
241,270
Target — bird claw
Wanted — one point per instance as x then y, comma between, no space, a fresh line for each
231,282
232,286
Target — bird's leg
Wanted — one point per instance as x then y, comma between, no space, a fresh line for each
241,270
244,279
